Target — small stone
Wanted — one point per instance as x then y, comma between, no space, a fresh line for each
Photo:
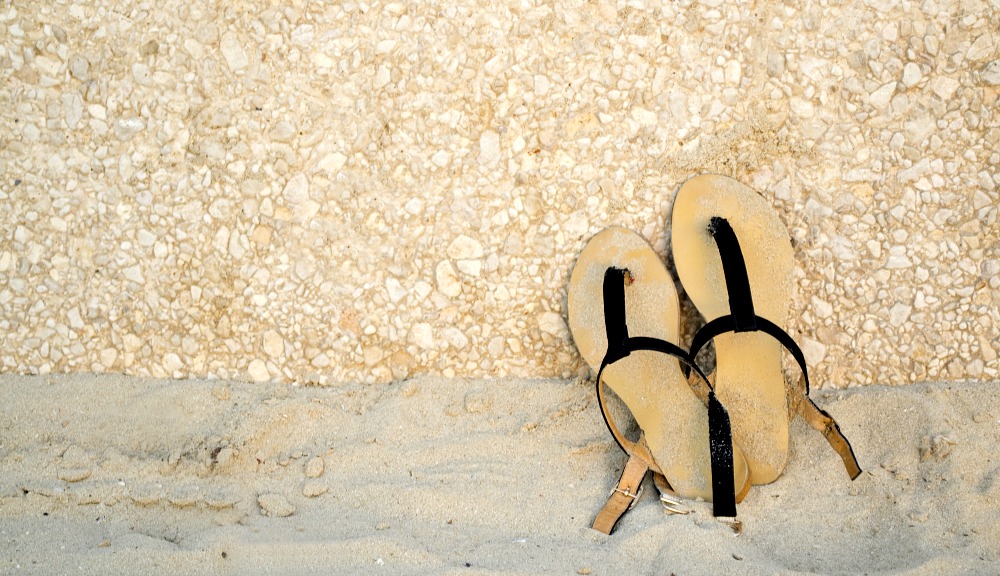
813,350
395,290
258,370
464,248
303,35
72,108
643,116
332,162
911,74
981,48
296,194
991,73
146,238
881,97
273,344
126,128
75,320
314,467
233,52
897,262
733,72
944,87
48,66
150,48
455,337
108,357
470,267
552,323
915,171
423,336
283,131
802,108
489,148
79,68
441,158
822,308
321,360
275,505
775,64
314,488
382,76
447,279
172,362
542,85
899,313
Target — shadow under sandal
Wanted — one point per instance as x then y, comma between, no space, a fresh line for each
618,279
714,271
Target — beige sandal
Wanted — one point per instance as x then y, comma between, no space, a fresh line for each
619,277
735,261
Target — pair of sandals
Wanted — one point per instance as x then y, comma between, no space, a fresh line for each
735,261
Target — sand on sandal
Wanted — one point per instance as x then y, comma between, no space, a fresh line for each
111,474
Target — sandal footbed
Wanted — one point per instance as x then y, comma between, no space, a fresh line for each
748,379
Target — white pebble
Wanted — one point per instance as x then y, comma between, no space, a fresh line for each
258,370
233,52
552,323
395,290
489,148
274,344
172,362
991,73
899,313
911,74
448,282
465,248
422,335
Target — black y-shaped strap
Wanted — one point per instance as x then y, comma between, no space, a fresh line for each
743,319
620,345
735,270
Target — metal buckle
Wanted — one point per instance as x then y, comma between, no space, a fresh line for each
635,497
673,505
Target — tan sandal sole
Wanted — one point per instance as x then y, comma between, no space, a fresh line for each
652,385
748,378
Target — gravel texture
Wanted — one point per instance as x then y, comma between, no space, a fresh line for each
368,192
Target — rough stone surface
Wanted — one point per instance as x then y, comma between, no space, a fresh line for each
367,192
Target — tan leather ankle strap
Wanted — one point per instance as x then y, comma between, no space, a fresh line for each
624,496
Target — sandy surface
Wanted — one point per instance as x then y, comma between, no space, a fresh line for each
105,474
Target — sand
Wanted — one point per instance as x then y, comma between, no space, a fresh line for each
111,474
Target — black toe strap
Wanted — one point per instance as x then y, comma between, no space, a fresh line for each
621,345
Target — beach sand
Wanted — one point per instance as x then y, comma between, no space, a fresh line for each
110,474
